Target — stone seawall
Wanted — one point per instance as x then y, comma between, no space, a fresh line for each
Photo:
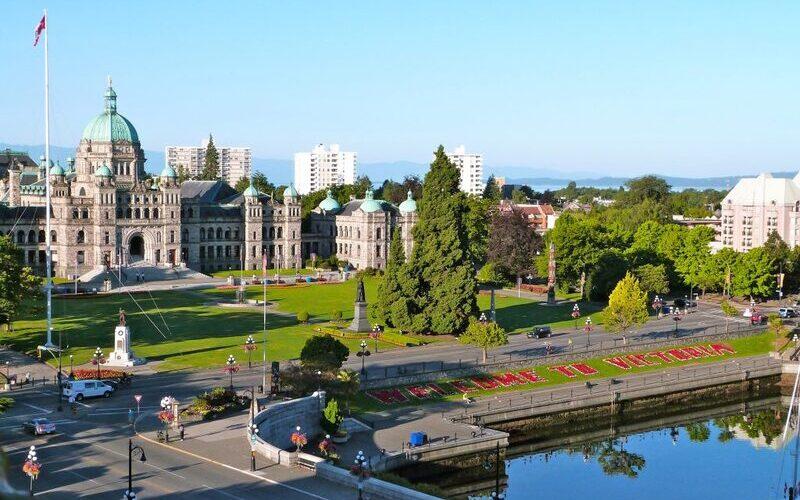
277,421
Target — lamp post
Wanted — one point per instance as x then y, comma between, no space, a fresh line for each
488,466
677,317
231,367
71,373
376,332
588,328
129,493
58,375
253,428
363,353
360,468
249,346
98,357
167,414
31,467
658,303
8,373
576,313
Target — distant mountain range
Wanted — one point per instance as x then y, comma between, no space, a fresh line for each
281,171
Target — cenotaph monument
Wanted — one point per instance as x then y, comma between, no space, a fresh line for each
122,355
360,322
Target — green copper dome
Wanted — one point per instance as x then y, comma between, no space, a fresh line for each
169,172
251,191
290,192
110,126
409,205
57,170
330,204
103,171
369,204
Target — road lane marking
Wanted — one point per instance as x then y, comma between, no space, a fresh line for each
38,408
222,492
145,463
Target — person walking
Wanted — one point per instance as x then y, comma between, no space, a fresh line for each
130,415
182,431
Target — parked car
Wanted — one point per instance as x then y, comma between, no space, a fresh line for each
540,332
787,312
39,426
758,319
87,389
112,383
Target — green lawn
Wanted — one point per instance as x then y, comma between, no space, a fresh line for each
746,346
518,315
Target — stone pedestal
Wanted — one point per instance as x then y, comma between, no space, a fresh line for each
360,322
122,355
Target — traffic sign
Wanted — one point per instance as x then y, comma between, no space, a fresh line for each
137,397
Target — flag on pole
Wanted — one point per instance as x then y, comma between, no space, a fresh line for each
264,264
41,27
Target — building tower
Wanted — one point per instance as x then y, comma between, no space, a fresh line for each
253,227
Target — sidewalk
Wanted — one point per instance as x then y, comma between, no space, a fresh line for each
224,442
19,364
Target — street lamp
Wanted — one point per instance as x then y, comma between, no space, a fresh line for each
363,353
231,367
8,373
71,374
98,358
253,429
576,313
249,346
31,467
319,381
376,332
360,469
129,493
482,318
677,317
488,466
658,303
588,328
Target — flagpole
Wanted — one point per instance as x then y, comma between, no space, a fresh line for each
48,251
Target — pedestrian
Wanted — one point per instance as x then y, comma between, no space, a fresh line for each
569,344
182,431
130,415
624,340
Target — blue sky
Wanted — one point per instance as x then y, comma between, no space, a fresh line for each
614,88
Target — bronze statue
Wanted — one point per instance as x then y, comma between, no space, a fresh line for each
360,292
121,317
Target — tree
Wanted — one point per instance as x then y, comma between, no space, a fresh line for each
512,242
579,243
211,166
331,417
323,352
392,192
729,311
484,336
389,288
492,190
653,279
752,276
183,174
605,272
491,275
443,276
777,250
361,185
698,432
242,184
476,220
261,183
627,305
18,284
694,254
648,187
777,327
517,196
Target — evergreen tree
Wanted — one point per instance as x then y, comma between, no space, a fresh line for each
211,167
442,280
183,174
242,184
492,191
627,305
18,284
389,289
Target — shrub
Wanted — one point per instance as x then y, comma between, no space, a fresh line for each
218,402
302,317
336,316
331,418
323,352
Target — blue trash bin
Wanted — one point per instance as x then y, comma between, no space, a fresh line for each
308,279
417,438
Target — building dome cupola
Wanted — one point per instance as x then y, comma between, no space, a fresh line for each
168,173
251,191
103,171
370,204
329,204
110,126
290,192
408,205
57,170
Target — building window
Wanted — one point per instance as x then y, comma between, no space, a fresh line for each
81,237
53,237
202,234
172,236
106,238
85,213
41,236
80,257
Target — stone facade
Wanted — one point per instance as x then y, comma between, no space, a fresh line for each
106,212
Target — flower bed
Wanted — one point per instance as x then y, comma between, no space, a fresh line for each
105,373
388,337
219,402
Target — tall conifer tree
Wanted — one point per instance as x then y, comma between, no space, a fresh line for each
389,290
211,167
442,278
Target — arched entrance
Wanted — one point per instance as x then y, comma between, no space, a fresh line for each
136,248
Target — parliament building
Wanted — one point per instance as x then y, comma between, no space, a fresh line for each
107,213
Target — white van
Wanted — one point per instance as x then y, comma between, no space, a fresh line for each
86,389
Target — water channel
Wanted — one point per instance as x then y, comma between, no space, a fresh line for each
706,447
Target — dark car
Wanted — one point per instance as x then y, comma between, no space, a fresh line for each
111,383
540,332
758,319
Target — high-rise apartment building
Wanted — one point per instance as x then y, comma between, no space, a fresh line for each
234,162
322,168
471,167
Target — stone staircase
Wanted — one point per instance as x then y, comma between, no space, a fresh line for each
149,272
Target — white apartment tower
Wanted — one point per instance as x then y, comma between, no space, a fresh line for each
322,168
234,162
471,167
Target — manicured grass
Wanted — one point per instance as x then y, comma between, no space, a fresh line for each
248,273
519,315
198,334
746,346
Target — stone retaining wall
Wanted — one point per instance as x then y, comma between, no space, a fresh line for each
277,421
371,487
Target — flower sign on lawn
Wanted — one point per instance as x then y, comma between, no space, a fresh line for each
556,373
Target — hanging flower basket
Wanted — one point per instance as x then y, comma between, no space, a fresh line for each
299,439
31,468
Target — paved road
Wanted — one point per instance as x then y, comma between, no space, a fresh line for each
705,319
88,456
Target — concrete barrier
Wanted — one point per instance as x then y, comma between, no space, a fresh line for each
371,487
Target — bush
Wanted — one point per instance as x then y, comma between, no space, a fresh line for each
219,401
302,317
323,352
331,417
336,316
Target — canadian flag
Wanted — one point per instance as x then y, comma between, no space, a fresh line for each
41,27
